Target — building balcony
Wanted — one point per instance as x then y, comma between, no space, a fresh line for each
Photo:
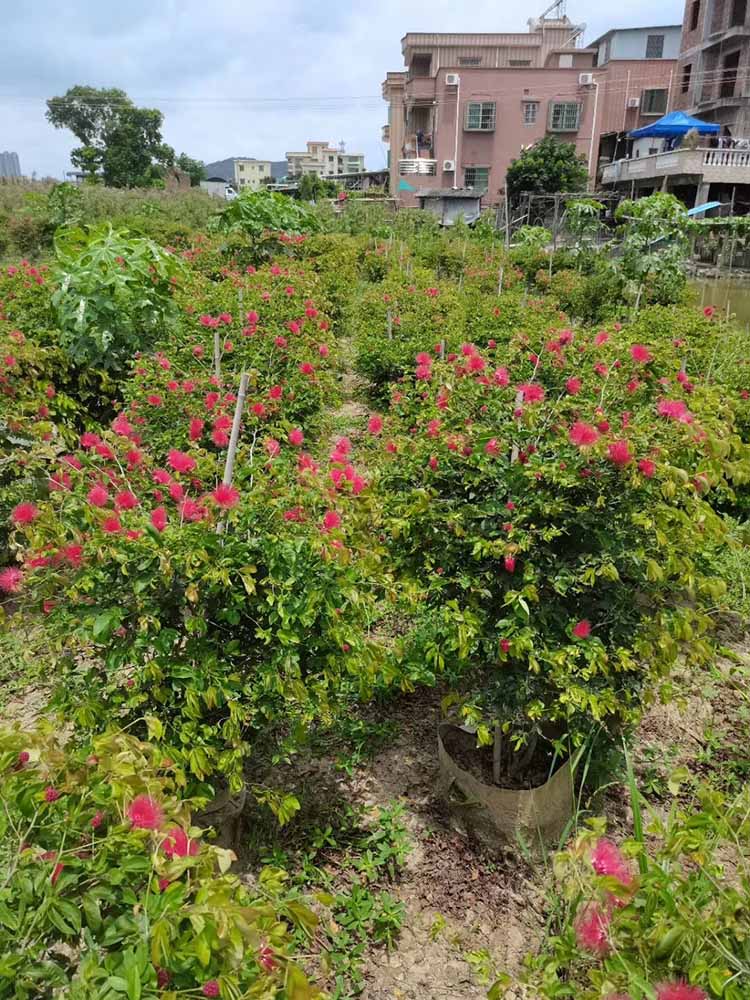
385,133
420,89
714,166
420,165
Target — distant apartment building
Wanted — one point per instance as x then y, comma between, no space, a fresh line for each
714,70
9,165
468,104
324,160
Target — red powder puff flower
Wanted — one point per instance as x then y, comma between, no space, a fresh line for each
51,794
190,510
176,491
492,448
306,368
582,629
226,496
96,820
423,373
145,813
708,313
178,845
323,350
674,409
162,978
154,400
126,500
583,435
295,514
679,991
180,462
24,513
608,860
112,526
275,392
272,446
375,424
601,338
573,386
219,437
647,468
531,392
501,377
509,562
211,988
159,518
505,645
591,929
619,453
89,440
196,428
161,476
98,495
331,520
296,437
640,354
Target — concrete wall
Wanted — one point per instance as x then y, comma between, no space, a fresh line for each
631,43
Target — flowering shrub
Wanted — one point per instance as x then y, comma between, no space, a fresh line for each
668,922
108,888
554,504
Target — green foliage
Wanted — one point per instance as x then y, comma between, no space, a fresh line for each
195,168
255,213
114,294
545,168
97,903
119,140
684,916
312,187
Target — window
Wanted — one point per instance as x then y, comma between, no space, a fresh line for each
477,178
564,116
520,62
566,60
653,102
469,60
695,11
686,74
330,159
530,111
654,46
729,74
242,168
480,116
739,12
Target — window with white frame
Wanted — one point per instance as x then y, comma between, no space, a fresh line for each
564,116
530,112
480,116
477,178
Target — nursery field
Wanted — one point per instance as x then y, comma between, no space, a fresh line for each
374,607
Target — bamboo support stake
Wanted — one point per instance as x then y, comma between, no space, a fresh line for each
442,350
497,752
500,281
390,325
517,406
217,355
234,438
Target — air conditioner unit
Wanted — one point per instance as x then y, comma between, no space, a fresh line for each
452,79
585,79
633,102
449,165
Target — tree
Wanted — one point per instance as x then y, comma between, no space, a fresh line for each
195,168
548,166
312,187
118,139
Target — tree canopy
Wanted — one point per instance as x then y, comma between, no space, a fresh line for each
119,141
195,168
546,167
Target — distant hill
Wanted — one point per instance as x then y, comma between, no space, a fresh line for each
225,168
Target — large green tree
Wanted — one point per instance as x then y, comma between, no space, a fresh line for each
545,168
195,168
119,140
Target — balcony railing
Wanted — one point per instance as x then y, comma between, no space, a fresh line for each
714,165
418,166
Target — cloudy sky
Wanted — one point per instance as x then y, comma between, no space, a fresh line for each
239,78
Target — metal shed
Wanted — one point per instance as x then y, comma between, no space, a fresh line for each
450,204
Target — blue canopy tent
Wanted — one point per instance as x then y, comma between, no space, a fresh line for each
674,124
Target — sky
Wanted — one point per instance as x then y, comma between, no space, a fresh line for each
239,78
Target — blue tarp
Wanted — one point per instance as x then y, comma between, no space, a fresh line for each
674,124
706,207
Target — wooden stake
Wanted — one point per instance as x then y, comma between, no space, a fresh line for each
500,281
234,438
390,325
442,350
497,751
217,355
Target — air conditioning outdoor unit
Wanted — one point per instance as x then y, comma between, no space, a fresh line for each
452,79
585,79
633,102
449,165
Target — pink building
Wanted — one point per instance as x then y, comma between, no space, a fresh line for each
467,104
